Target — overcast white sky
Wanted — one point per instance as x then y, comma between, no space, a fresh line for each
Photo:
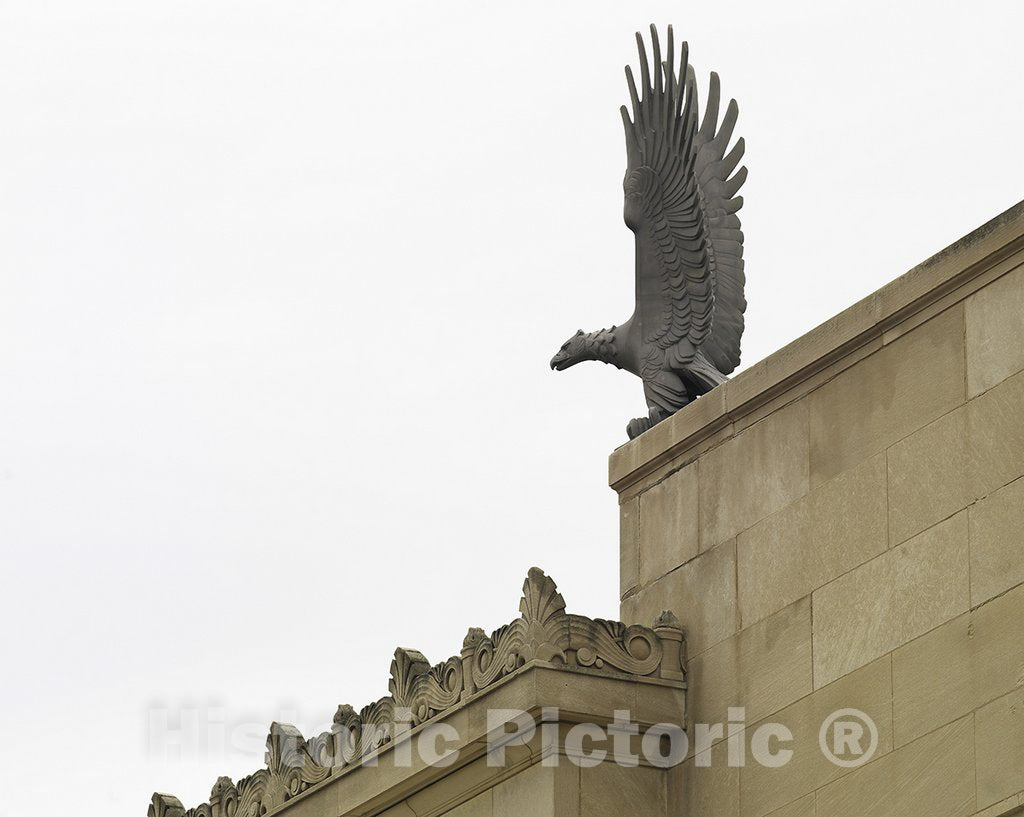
280,284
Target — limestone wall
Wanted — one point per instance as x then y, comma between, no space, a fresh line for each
842,525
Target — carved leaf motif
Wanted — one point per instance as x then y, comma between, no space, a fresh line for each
407,668
635,650
541,600
543,632
251,793
378,724
165,805
291,766
347,734
546,631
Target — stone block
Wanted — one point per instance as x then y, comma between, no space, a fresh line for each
958,667
668,524
712,788
869,689
836,527
959,458
599,694
996,434
629,546
610,790
762,668
403,810
932,777
1012,806
995,326
890,600
754,474
531,791
997,542
702,593
929,476
568,788
659,704
804,807
999,748
887,396
456,789
479,806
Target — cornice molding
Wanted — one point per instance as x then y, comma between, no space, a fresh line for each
543,634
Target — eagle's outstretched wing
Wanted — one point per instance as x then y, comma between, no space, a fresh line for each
683,181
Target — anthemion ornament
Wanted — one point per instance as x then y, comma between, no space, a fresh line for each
680,202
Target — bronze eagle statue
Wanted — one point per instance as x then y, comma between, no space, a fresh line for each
680,202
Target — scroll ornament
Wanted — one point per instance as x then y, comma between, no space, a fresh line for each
544,634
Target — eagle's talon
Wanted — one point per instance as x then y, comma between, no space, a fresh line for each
638,426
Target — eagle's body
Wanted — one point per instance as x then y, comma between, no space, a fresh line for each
680,202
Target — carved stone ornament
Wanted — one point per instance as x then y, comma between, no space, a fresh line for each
683,337
544,634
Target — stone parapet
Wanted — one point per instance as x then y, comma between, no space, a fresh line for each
547,665
948,277
841,526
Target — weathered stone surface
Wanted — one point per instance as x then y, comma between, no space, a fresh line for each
668,524
403,810
804,807
933,776
929,476
885,397
704,589
762,668
996,435
999,748
754,474
610,790
629,546
480,806
568,789
532,791
1012,806
958,667
960,457
836,527
869,689
890,600
997,542
709,785
439,796
995,326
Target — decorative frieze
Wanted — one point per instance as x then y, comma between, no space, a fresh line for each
544,634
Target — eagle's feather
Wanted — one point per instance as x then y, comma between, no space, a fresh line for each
690,291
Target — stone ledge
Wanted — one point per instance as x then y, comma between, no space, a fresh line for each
585,668
872,320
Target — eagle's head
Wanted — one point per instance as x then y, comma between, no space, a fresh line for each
572,352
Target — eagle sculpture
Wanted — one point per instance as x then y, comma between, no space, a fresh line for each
680,202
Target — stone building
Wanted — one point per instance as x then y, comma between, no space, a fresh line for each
838,532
